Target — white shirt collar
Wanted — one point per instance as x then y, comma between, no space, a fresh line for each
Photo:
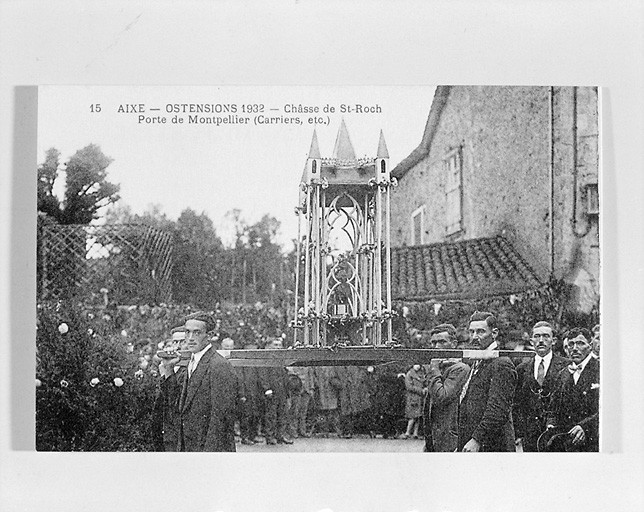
585,361
198,355
546,359
546,363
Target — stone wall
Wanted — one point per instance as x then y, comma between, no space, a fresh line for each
505,136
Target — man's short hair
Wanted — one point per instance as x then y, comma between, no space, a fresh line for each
486,316
448,328
543,323
576,331
179,328
202,316
596,329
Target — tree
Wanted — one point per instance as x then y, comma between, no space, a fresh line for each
87,189
47,174
199,274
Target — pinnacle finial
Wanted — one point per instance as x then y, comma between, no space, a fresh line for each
343,149
314,152
382,147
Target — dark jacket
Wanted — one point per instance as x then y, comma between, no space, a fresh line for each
327,387
578,404
389,396
250,386
485,414
441,407
206,406
531,401
275,378
354,393
166,412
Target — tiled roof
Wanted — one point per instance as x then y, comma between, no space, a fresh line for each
477,268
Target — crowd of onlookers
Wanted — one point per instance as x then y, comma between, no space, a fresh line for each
489,404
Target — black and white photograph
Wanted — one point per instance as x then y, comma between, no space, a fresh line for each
436,289
309,256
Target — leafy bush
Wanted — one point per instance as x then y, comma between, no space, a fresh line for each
79,403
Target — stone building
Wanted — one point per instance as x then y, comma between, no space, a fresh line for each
500,195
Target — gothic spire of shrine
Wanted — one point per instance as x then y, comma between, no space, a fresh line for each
343,149
314,152
382,147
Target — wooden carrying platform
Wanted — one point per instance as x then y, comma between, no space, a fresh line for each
358,356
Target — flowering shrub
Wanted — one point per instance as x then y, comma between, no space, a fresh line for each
89,397
97,373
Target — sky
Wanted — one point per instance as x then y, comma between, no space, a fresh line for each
253,166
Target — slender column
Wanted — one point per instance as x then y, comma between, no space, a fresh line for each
307,267
297,272
388,259
378,256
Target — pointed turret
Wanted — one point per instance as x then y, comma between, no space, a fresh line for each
382,158
314,152
382,147
313,166
343,149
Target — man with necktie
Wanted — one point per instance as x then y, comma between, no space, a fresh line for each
485,409
536,380
207,392
575,405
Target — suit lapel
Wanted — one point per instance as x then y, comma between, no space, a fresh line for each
194,382
182,376
588,375
556,364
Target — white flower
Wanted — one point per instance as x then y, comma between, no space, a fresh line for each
63,328
94,381
138,374
370,369
38,383
124,333
130,347
118,382
64,383
90,331
90,316
143,364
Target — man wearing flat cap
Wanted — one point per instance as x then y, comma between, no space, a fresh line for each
206,390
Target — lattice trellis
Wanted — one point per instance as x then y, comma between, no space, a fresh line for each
132,262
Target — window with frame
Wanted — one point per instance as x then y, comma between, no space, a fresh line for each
453,164
417,225
592,199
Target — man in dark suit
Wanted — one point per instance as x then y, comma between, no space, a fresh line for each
251,397
206,390
536,379
274,382
485,410
575,403
165,420
445,380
